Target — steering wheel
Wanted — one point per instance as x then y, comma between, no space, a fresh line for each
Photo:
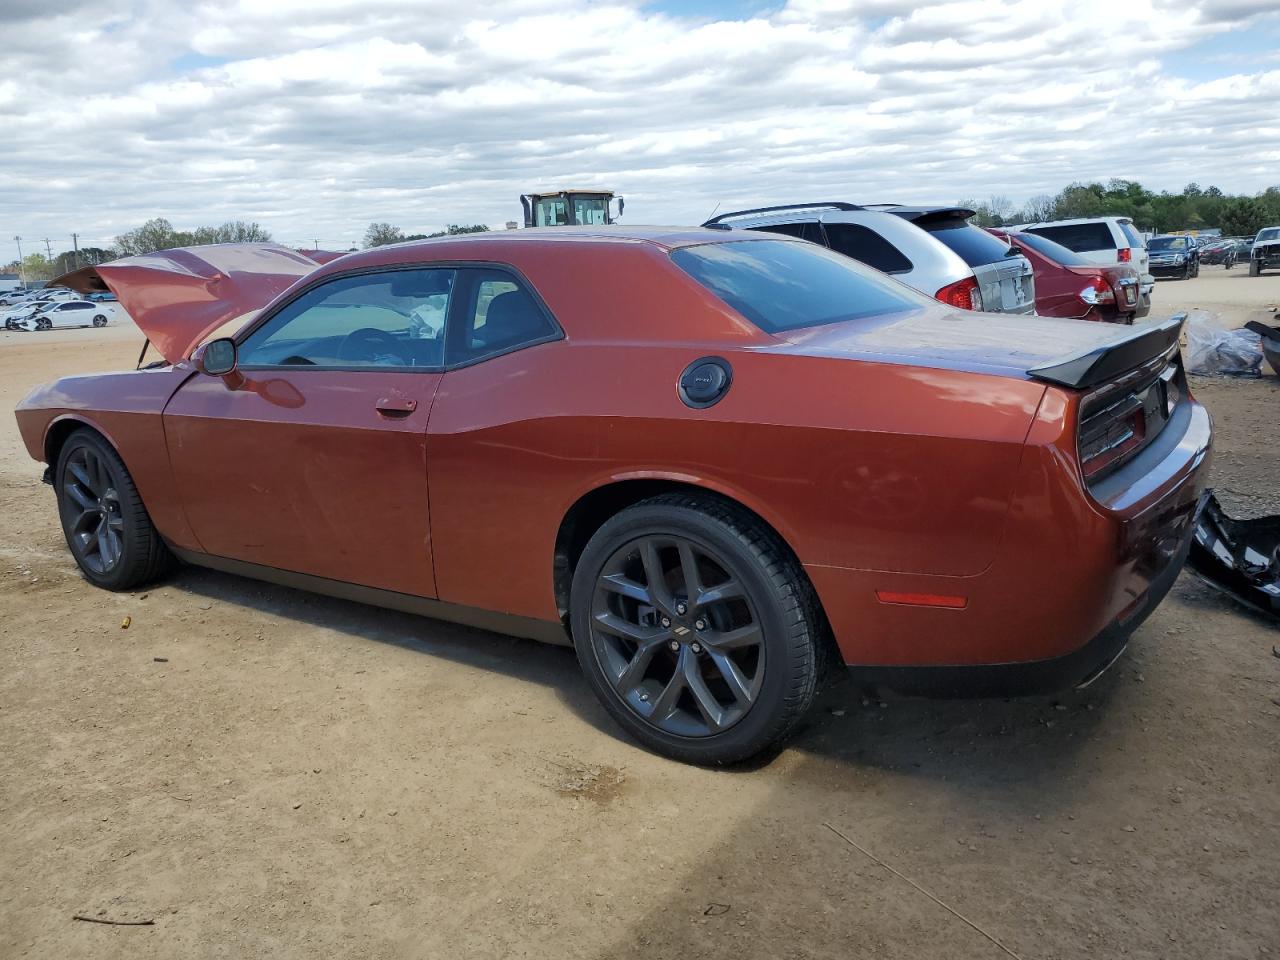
370,339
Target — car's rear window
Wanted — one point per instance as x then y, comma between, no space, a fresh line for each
1135,238
975,246
1054,251
784,285
1080,237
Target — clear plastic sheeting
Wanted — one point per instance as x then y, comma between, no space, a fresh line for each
1212,351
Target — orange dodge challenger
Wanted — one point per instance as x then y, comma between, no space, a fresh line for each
715,463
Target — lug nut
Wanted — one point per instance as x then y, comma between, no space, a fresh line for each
681,608
666,622
674,644
700,625
696,648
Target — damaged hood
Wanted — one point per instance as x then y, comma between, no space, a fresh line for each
177,296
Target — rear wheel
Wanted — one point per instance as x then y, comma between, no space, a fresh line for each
99,321
107,527
696,629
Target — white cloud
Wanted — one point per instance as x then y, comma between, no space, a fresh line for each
316,117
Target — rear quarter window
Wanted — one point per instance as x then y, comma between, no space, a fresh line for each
783,285
809,230
863,243
975,246
1080,237
1132,235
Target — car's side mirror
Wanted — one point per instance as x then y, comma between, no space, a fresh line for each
218,358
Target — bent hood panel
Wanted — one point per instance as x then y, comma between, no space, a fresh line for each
176,296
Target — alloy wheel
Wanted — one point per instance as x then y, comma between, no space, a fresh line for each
95,524
677,636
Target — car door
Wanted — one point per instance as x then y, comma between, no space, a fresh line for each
71,314
311,456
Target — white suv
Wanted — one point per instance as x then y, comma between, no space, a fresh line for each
1102,240
933,249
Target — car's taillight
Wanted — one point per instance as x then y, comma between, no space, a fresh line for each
1098,291
963,294
1123,255
1108,437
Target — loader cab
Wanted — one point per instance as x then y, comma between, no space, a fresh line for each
562,208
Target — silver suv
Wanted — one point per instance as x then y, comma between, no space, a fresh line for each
934,249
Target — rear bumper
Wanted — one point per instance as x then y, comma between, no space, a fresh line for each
1076,573
1072,670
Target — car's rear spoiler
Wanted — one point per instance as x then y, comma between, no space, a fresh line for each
1105,363
178,296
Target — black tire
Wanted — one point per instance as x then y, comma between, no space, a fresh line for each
99,321
91,475
1255,268
789,657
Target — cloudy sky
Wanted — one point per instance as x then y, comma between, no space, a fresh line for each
316,117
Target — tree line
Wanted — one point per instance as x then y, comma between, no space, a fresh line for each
160,234
1195,208
155,234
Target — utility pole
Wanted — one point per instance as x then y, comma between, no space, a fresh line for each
22,274
75,244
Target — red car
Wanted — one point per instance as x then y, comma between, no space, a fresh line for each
1068,285
713,462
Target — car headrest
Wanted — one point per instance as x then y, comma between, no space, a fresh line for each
511,317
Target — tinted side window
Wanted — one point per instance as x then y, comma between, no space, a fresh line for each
1135,240
389,319
1080,237
809,230
782,285
497,315
863,243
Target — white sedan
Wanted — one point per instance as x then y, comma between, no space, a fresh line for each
68,313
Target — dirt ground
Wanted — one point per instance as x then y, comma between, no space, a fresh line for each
264,773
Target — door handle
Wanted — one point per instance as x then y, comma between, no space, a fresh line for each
396,406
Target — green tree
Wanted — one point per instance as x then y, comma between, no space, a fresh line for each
155,234
381,234
1243,217
36,266
68,260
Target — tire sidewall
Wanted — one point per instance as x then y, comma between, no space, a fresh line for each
753,731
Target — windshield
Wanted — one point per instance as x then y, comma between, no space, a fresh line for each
1271,233
1047,248
1167,243
786,284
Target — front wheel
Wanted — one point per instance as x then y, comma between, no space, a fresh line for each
107,528
99,321
1255,268
696,628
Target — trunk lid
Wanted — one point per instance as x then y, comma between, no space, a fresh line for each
1007,286
1066,352
177,296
